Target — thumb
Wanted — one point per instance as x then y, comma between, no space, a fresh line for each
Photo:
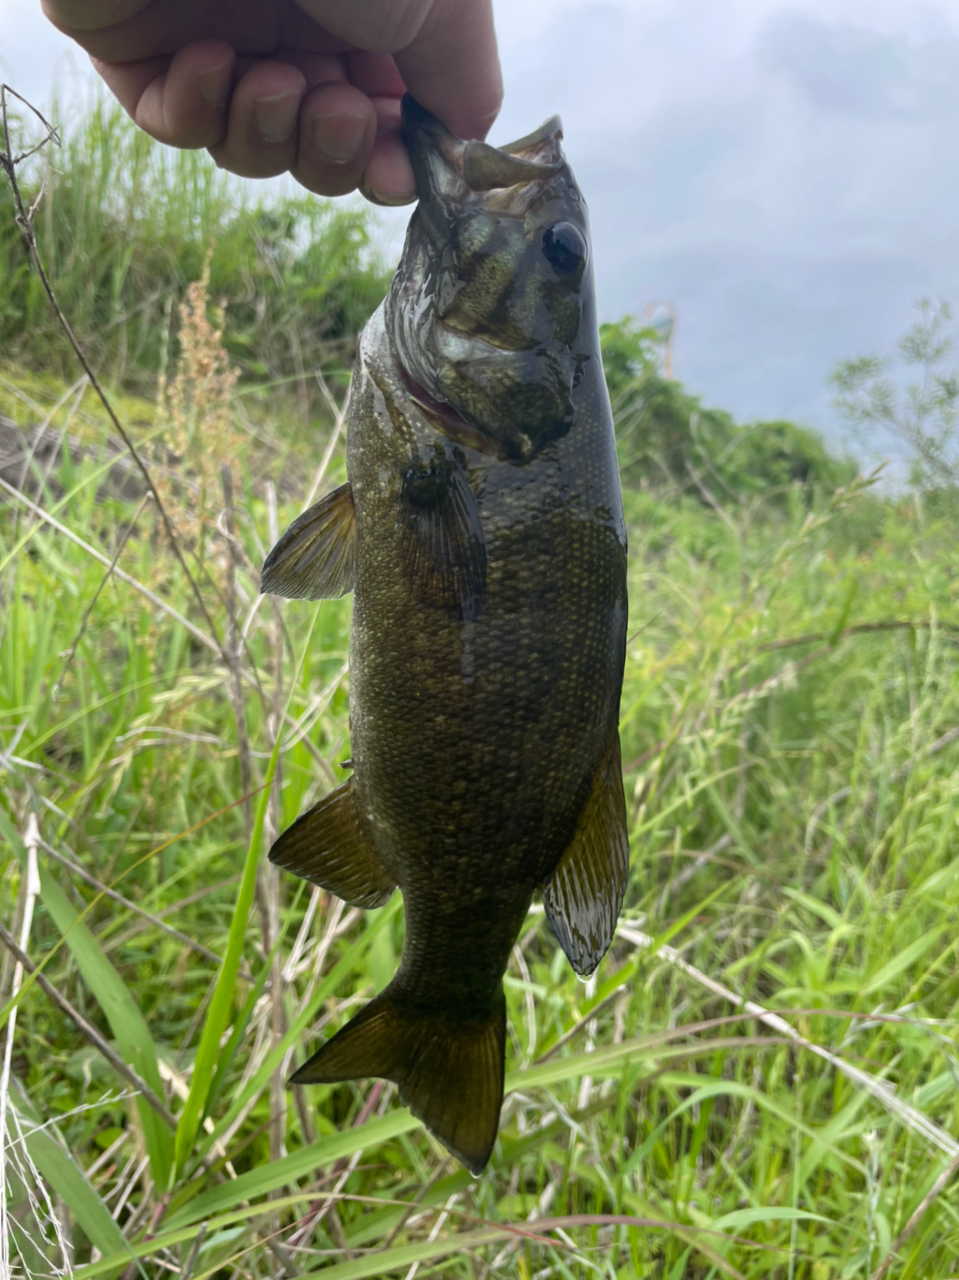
452,68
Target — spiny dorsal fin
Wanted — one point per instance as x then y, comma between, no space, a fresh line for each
329,845
584,894
450,1074
316,557
441,536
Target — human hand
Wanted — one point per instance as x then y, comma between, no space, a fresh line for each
309,86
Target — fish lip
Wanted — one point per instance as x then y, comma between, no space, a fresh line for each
434,152
444,165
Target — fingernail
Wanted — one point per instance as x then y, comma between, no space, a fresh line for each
214,83
339,137
391,200
276,116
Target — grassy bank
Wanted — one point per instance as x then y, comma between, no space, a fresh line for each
761,1078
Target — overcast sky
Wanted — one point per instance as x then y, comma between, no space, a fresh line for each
786,176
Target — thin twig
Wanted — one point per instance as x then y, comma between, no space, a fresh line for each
76,869
24,220
951,1169
204,639
190,1265
441,1169
96,596
90,1031
594,1012
860,628
271,874
339,417
231,655
30,893
879,1089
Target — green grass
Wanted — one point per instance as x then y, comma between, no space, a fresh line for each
760,1080
124,226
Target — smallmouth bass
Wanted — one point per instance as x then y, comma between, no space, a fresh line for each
482,534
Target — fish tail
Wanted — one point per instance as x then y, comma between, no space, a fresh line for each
449,1072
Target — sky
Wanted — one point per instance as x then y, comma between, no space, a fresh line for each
785,176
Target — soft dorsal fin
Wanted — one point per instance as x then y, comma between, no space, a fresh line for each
441,536
316,557
330,845
584,894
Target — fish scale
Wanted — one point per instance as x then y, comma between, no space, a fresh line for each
481,532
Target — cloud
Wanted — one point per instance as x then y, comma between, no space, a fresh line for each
784,174
842,68
783,178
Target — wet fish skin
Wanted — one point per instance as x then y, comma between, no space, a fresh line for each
482,533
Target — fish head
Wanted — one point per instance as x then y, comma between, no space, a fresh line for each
486,313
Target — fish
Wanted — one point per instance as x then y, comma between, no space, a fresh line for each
481,533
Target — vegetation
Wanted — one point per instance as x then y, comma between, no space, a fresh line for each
925,414
670,444
124,227
760,1080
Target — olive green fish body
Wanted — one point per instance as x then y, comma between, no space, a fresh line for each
482,534
474,742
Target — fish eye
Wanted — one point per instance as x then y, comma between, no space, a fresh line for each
564,247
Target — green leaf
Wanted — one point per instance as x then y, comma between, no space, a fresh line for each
898,964
852,588
272,1060
221,1006
304,1163
228,1054
57,1167
127,1023
740,1218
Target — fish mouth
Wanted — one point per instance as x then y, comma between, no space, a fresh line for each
448,167
472,309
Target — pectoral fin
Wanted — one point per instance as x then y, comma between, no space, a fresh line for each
584,894
316,557
330,846
450,1074
442,541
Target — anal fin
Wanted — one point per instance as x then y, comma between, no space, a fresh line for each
449,1073
329,845
316,558
584,894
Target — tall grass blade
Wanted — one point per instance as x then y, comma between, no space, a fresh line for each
60,1170
126,1021
221,1005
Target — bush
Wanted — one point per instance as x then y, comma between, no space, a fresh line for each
668,440
124,227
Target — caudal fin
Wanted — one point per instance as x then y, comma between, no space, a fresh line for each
450,1074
